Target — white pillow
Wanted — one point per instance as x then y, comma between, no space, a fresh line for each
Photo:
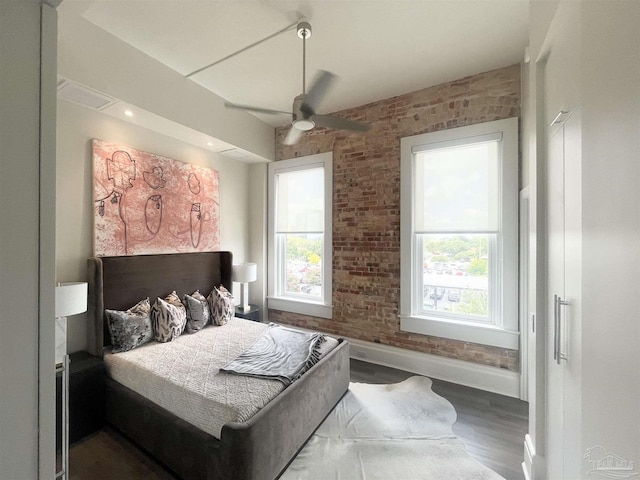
169,318
221,305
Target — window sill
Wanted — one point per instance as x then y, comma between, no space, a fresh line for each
304,308
462,331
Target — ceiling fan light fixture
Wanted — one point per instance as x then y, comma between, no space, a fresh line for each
304,124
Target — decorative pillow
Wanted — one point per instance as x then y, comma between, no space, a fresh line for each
131,328
169,318
198,313
221,305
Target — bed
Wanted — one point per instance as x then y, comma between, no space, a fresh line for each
259,448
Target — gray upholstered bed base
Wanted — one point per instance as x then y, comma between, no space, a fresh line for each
259,449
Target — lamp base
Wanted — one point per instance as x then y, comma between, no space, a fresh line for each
244,297
61,338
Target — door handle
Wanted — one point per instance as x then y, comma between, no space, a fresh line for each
558,303
555,329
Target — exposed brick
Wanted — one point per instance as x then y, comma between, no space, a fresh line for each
366,202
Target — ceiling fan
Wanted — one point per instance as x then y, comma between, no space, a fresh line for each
304,116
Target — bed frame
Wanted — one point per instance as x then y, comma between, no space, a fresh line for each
259,449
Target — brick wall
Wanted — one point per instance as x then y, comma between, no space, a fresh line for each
366,207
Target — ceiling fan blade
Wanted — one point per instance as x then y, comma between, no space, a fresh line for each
339,123
293,135
317,91
255,109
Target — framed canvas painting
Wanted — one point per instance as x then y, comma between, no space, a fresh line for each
148,204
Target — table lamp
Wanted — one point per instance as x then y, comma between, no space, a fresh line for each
71,299
245,273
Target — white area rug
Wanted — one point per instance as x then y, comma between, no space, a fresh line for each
400,431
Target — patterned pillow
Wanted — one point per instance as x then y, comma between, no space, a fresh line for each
169,318
221,305
198,313
131,328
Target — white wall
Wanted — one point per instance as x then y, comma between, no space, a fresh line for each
258,234
74,205
97,59
27,182
611,227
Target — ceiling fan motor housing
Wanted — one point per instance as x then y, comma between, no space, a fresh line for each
304,30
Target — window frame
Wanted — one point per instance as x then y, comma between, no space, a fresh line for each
275,298
502,331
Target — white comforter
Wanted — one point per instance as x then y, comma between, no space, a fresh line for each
183,376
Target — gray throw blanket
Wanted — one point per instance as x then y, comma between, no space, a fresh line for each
279,353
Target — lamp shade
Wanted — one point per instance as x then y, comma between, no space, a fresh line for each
71,298
245,272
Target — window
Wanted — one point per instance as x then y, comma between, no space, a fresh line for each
300,210
459,229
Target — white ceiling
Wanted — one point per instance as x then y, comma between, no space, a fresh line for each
378,48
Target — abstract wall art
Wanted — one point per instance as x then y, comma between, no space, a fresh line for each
147,204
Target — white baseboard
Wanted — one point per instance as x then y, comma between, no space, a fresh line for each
483,377
527,465
533,466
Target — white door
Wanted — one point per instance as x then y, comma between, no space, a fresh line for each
564,293
570,312
555,288
561,85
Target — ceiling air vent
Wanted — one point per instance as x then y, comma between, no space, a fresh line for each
234,153
84,96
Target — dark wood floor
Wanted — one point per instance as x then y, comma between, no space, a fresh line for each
492,427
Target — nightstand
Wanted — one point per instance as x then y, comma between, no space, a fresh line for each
252,314
86,395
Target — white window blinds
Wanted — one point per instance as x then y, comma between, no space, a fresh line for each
457,187
300,201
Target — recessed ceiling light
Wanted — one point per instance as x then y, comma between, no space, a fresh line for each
210,144
128,113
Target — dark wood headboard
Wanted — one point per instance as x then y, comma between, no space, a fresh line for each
118,283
